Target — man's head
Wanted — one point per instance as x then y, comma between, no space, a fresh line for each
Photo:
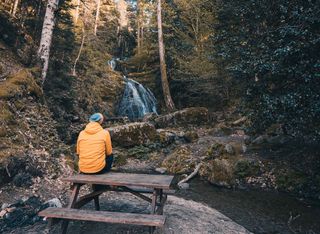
97,117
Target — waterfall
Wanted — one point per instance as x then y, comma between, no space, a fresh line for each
137,101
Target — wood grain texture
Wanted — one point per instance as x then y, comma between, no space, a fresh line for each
104,216
124,179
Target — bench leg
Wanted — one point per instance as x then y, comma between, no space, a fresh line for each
96,203
153,206
72,201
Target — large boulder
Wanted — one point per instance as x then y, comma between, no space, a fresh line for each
180,161
193,115
227,171
133,134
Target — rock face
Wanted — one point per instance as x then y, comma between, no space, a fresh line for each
133,134
182,216
193,115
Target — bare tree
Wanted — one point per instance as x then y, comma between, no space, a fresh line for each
46,36
164,80
97,17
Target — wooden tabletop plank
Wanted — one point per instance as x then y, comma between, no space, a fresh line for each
123,179
104,216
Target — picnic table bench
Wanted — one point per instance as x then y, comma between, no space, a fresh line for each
137,184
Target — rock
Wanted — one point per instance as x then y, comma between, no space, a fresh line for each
55,202
229,149
184,186
221,129
180,161
219,172
193,115
161,170
259,140
22,180
166,137
239,121
150,117
191,136
4,206
133,134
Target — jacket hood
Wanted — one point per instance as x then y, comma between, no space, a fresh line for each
93,128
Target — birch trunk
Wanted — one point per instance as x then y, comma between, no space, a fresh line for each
76,14
138,27
97,17
46,37
164,80
15,6
79,54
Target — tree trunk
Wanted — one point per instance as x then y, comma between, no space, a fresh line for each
46,36
164,79
15,6
76,14
138,26
97,17
79,54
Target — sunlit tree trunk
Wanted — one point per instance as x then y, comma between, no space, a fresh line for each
79,53
165,85
97,17
76,14
46,36
15,6
138,26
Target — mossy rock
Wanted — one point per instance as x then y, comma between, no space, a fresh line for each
290,180
245,168
219,171
166,137
191,136
180,161
133,134
193,116
139,152
18,84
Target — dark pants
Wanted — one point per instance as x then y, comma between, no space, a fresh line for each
107,168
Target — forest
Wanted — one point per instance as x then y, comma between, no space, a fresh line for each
221,94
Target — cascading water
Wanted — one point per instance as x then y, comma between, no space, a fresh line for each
137,101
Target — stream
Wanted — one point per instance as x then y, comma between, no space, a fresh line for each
258,211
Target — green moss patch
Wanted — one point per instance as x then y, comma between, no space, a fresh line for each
18,84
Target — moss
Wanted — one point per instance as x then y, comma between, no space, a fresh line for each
19,83
140,152
215,149
245,168
191,136
180,161
219,171
120,160
290,179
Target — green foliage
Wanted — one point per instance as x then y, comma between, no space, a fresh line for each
272,48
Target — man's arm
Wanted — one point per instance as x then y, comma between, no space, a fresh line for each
108,144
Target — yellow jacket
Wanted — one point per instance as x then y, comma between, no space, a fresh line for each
93,145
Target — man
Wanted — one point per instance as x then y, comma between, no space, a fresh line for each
94,147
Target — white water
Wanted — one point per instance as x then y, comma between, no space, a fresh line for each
137,101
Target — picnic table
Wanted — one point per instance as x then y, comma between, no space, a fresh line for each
137,184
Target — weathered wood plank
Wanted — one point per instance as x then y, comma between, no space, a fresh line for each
87,198
124,179
104,216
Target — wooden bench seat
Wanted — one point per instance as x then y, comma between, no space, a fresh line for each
104,216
